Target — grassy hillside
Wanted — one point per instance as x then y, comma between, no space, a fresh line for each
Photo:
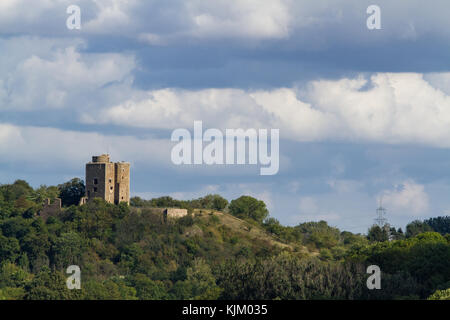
213,221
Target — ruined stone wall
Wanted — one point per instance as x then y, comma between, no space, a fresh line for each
50,208
175,213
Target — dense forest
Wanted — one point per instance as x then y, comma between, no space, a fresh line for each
220,250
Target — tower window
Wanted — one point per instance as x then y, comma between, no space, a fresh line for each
95,189
95,181
110,180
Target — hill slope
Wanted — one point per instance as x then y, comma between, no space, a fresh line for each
246,230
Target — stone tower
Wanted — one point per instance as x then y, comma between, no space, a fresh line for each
108,180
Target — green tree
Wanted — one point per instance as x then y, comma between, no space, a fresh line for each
95,219
440,295
68,249
12,192
201,281
166,201
13,276
248,207
137,202
416,227
397,234
439,224
71,192
377,234
111,289
273,226
44,192
211,201
148,289
9,249
319,234
48,285
12,293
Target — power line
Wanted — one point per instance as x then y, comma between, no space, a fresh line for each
381,220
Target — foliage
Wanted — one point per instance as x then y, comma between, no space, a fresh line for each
439,224
71,192
440,295
319,234
289,277
416,227
377,234
130,252
210,201
425,258
246,207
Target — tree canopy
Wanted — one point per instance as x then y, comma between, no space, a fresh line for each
131,252
246,207
71,191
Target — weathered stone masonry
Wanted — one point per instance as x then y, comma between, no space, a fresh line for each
107,180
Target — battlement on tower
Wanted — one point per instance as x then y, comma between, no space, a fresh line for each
101,158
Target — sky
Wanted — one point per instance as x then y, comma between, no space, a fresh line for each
363,114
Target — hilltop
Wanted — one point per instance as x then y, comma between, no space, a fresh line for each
220,250
244,230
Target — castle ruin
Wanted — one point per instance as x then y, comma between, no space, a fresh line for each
50,208
107,180
174,213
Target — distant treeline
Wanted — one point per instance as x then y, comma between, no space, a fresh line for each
213,202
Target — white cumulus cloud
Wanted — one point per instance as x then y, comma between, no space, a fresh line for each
388,108
57,75
408,198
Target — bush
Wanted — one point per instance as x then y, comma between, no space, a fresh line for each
440,295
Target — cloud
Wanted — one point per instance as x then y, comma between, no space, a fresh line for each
408,198
240,19
193,18
309,210
97,88
52,148
340,20
152,39
308,205
196,19
59,76
396,108
392,108
439,80
345,186
173,108
110,15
